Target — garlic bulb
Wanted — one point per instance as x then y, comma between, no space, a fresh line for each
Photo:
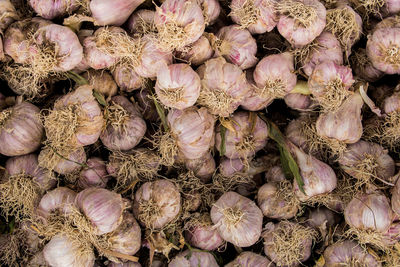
211,10
256,15
363,68
50,9
157,203
127,79
287,243
255,100
21,130
60,199
101,82
203,168
249,136
236,45
112,12
94,175
146,105
224,86
126,239
197,53
298,101
103,208
329,83
301,21
193,259
347,253
274,75
62,162
200,233
141,22
178,86
62,251
250,259
179,23
367,161
125,127
237,219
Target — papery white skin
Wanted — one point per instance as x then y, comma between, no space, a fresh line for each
247,230
181,78
193,130
188,16
103,208
138,18
395,200
347,252
327,48
63,252
60,199
74,161
298,101
196,259
95,175
211,10
219,76
114,12
204,237
298,35
276,68
266,19
244,130
102,82
318,177
127,135
8,14
369,211
198,52
126,239
146,105
50,9
254,101
250,259
363,67
383,50
203,167
28,164
165,195
22,131
237,46
127,79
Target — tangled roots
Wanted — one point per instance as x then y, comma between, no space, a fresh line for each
368,236
116,116
248,13
334,95
14,249
149,213
385,131
272,89
167,147
391,54
303,15
171,36
217,101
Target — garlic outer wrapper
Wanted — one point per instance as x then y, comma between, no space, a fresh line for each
196,259
50,9
127,79
141,22
60,199
255,101
203,168
211,10
8,14
60,161
203,235
198,52
114,12
95,175
250,259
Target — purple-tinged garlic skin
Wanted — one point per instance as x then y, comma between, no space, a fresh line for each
127,79
141,21
95,175
50,9
298,101
392,103
264,11
114,12
193,130
250,259
392,235
102,82
196,259
229,167
126,239
21,130
237,46
198,52
103,208
322,219
249,137
64,252
203,235
178,86
203,168
237,219
129,132
163,197
72,163
61,199
296,32
363,68
275,175
211,10
347,252
255,100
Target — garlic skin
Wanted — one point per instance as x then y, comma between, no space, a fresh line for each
61,199
391,104
95,175
102,82
229,167
196,259
50,9
146,105
250,136
395,200
127,79
126,239
203,168
48,159
363,68
141,22
324,48
21,131
193,130
255,101
203,235
257,16
197,53
178,86
237,46
377,162
237,219
224,86
301,21
125,127
112,12
347,252
103,208
157,203
61,251
179,23
298,101
250,259
274,75
211,10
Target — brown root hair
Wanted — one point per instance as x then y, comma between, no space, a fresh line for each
303,15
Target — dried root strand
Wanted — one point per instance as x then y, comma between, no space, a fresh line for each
232,216
390,54
218,101
285,192
304,53
303,15
369,7
334,96
149,212
248,13
4,116
172,94
167,147
116,116
273,89
367,237
14,249
384,131
171,36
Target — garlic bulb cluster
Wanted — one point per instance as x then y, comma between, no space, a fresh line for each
250,259
94,175
60,199
237,219
8,14
193,259
299,102
395,200
125,264
200,233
